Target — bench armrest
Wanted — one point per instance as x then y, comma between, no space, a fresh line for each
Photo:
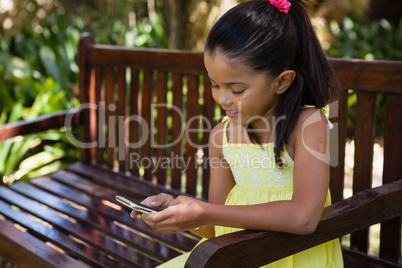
41,123
256,248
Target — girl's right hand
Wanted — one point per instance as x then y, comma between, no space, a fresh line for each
160,201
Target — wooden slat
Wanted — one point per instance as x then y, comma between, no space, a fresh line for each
87,234
191,134
370,76
25,250
134,127
147,95
161,125
168,61
366,107
110,117
86,41
338,115
100,116
208,123
92,114
177,129
122,115
73,248
390,236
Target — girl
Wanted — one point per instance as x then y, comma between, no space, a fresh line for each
269,164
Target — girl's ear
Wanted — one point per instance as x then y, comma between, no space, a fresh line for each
285,80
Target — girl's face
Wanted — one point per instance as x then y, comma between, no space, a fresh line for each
246,97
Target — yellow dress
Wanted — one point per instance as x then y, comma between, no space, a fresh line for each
258,180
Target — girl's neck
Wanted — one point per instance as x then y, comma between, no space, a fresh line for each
262,130
239,133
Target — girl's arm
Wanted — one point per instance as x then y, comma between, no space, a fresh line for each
300,215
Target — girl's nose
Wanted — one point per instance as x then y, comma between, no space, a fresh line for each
224,98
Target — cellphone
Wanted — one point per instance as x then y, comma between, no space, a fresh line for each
136,206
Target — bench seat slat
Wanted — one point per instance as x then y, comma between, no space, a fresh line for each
104,224
94,203
24,250
77,229
119,182
77,250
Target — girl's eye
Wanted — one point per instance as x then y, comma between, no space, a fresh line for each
214,86
238,91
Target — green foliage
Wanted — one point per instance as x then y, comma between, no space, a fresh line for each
148,35
376,40
34,155
355,38
37,75
119,23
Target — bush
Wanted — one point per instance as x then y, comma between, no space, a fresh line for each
39,73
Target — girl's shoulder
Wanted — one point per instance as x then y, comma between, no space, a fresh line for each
311,126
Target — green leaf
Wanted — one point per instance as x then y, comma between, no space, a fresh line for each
39,160
45,170
48,59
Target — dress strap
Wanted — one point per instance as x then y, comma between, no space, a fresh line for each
226,121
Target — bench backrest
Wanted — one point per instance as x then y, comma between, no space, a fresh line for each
137,133
149,107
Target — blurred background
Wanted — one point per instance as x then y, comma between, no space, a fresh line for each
38,52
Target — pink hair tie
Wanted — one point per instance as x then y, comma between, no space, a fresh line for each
281,5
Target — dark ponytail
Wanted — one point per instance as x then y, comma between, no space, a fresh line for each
266,40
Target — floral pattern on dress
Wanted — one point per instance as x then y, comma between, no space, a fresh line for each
279,177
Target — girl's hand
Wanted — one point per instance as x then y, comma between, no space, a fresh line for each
160,201
184,213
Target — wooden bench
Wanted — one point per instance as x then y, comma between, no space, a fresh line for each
71,218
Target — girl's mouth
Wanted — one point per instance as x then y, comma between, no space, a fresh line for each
232,113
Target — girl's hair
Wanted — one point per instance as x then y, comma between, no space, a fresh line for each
257,34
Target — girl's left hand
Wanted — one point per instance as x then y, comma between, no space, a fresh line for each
184,213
